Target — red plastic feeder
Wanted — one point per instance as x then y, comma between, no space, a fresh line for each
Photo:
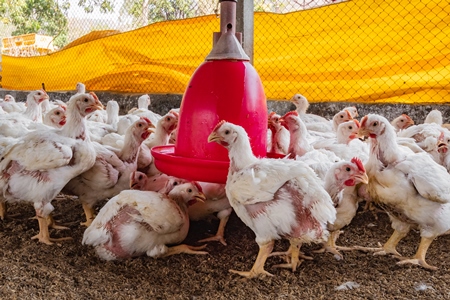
225,87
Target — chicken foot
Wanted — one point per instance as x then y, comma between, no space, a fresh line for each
287,254
258,267
293,261
331,247
419,257
43,236
390,247
183,248
219,234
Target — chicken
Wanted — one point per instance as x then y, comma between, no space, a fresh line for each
302,105
37,167
134,223
216,202
340,182
111,172
143,104
346,145
215,199
402,122
279,135
165,126
410,187
10,105
56,117
143,111
140,181
276,198
300,149
434,116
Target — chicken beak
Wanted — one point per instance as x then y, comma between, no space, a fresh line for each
214,137
362,178
200,197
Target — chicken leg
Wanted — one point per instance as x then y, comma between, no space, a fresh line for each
331,247
258,266
294,259
43,236
287,254
184,249
219,234
2,209
89,213
389,247
419,257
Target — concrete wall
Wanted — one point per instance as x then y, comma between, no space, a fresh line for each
162,103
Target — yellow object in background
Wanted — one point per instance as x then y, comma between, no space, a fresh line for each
357,51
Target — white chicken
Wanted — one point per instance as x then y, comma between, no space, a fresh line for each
56,117
340,182
402,122
346,145
216,200
37,167
111,172
279,135
143,111
134,223
10,105
165,126
410,187
320,160
276,198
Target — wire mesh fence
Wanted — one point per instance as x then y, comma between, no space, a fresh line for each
362,51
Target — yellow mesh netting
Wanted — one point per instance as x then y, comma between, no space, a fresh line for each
359,51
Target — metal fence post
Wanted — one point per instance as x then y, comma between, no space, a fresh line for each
244,24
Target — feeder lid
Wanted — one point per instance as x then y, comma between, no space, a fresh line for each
227,47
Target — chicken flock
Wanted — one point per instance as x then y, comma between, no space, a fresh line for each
328,168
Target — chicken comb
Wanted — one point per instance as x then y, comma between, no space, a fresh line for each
357,123
218,125
349,115
146,120
198,186
291,113
364,120
175,113
407,117
358,163
94,95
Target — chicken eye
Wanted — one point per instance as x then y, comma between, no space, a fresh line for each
168,119
140,124
189,190
347,169
227,131
375,124
350,127
86,100
140,177
175,183
402,120
342,116
57,113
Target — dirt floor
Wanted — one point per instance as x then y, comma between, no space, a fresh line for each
31,270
